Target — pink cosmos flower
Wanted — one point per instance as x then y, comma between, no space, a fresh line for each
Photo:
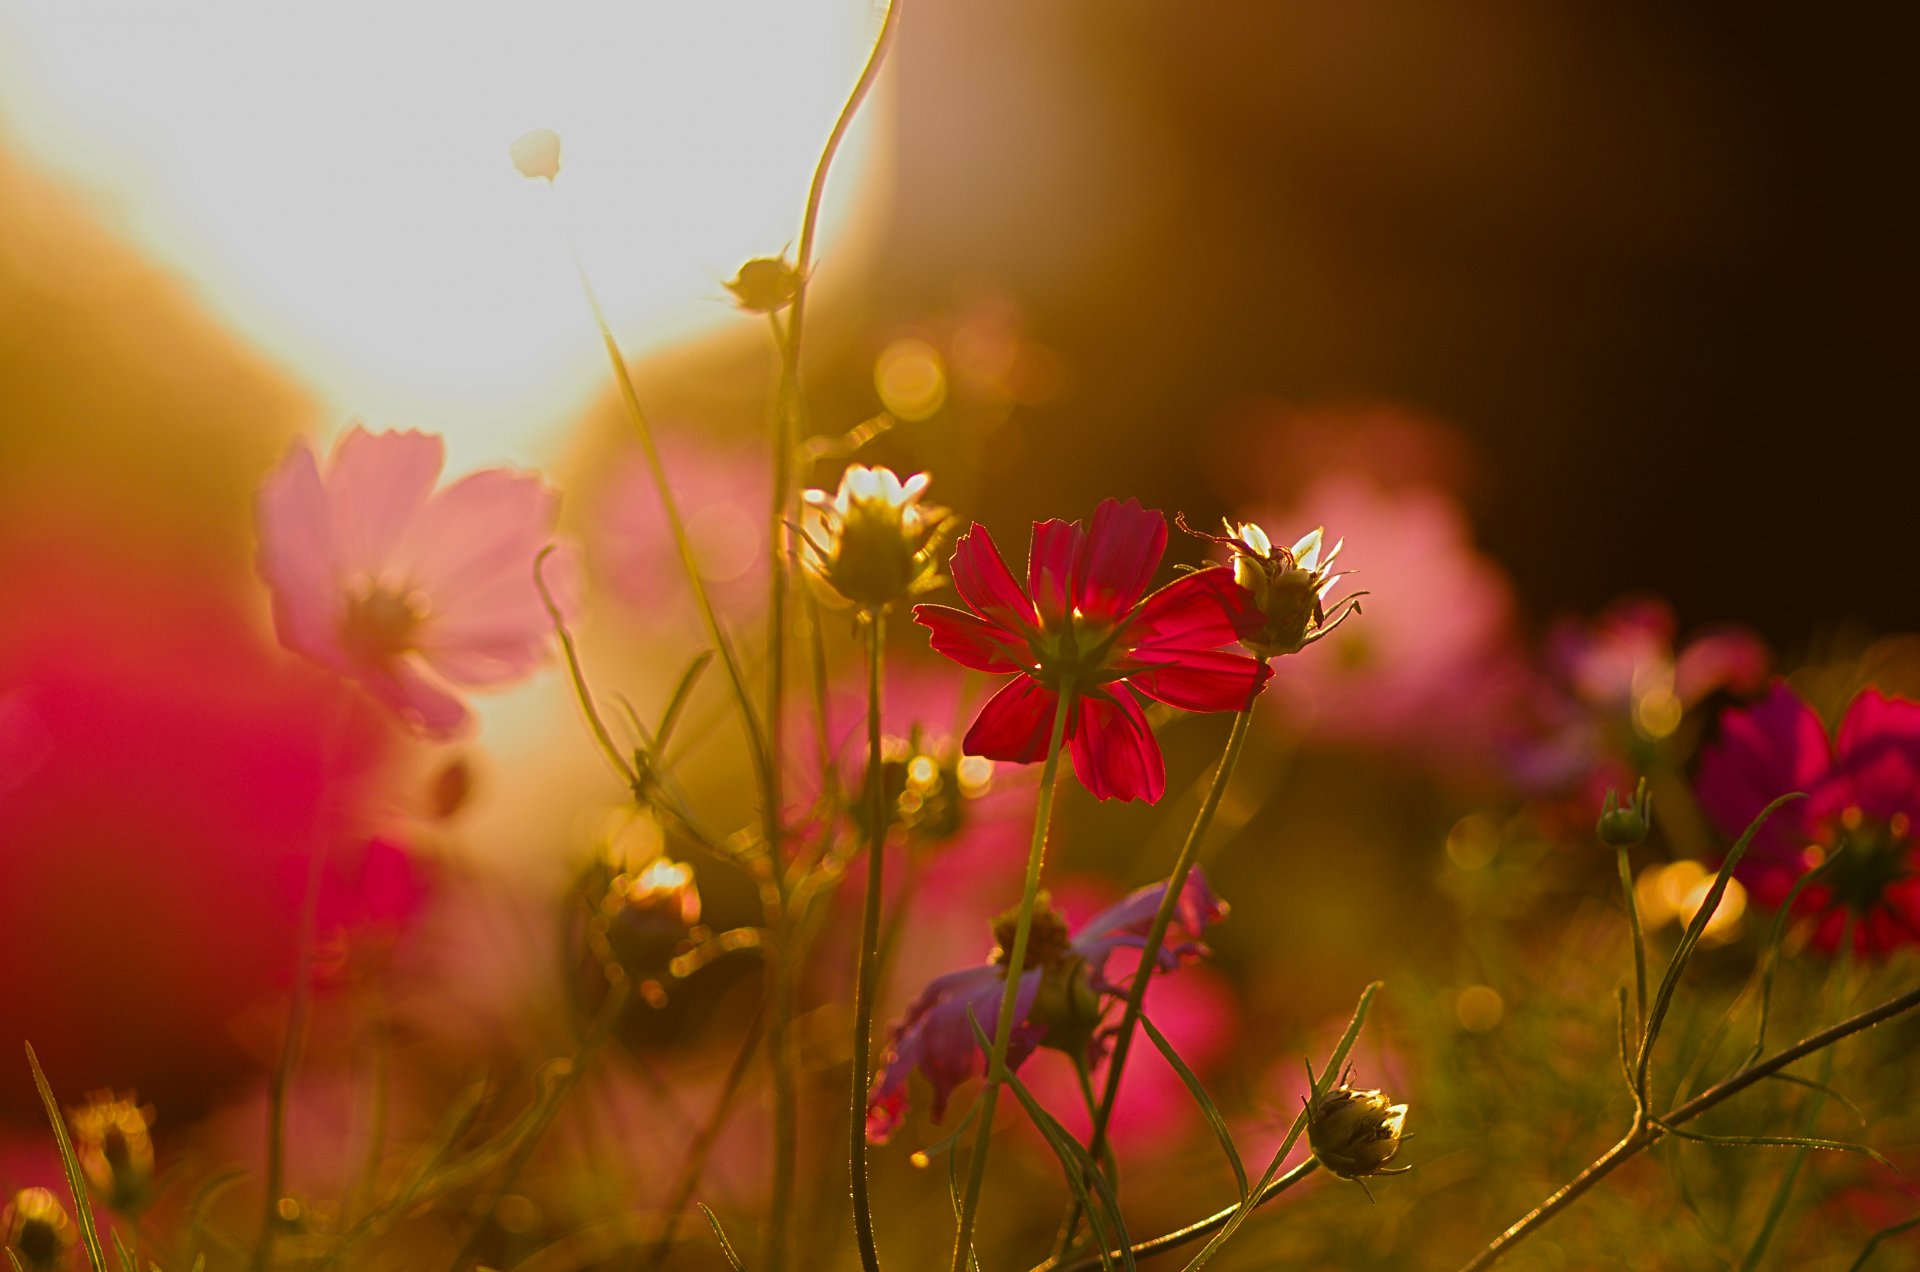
408,590
1856,825
1088,626
1064,992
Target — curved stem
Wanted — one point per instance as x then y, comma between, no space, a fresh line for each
1652,1131
1009,998
864,982
1193,1231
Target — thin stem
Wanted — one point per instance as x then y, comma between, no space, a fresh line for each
281,1083
1009,998
864,984
1193,1231
1162,921
1653,1130
1637,1074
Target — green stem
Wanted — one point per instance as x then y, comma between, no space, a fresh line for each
1193,1231
864,984
1639,970
1162,921
1009,998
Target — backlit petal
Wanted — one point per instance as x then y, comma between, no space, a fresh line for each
1203,680
1878,754
298,558
1114,753
969,641
1051,561
981,576
1203,610
378,485
1015,725
1123,548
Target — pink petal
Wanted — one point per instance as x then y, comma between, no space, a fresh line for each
1124,546
1729,659
1114,754
1015,725
1203,610
1051,560
378,484
502,631
971,642
1764,751
1878,754
1203,680
985,583
479,534
298,558
417,700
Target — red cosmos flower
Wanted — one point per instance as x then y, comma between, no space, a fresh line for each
1087,628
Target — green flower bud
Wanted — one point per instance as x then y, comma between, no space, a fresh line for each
765,284
1067,1005
872,541
1625,825
1356,1133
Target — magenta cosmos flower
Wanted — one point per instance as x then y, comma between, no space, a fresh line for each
409,590
1086,626
1063,994
1856,825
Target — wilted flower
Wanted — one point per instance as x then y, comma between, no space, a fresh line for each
1087,630
872,541
536,154
1289,587
1856,826
765,284
1063,994
408,590
37,1229
110,1136
1356,1133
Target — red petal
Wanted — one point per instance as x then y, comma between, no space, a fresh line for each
1204,610
1124,545
1764,751
1056,550
1015,725
969,641
1203,680
981,576
1114,754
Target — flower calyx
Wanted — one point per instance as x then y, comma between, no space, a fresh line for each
1289,586
1625,825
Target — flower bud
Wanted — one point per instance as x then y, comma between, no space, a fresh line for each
536,154
872,541
1066,1006
1355,1133
1287,587
1624,825
36,1229
765,285
110,1136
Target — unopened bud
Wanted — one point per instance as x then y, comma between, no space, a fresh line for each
1624,825
37,1229
1356,1133
1287,588
872,541
765,285
536,154
111,1137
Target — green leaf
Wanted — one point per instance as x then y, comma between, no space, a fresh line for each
127,1262
1200,1097
682,691
202,1203
1873,1242
1824,1089
1075,1162
14,1259
726,1246
76,1180
1776,1141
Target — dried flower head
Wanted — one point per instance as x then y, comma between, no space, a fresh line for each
111,1137
765,285
1355,1133
872,541
1289,587
36,1229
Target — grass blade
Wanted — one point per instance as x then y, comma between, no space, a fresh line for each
1200,1097
76,1181
726,1246
1873,1242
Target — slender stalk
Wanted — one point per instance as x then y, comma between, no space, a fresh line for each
1193,1231
864,984
1009,998
1162,921
295,1041
1654,1129
1639,941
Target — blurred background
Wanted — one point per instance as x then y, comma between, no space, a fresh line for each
1538,306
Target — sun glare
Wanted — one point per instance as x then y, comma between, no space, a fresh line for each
334,184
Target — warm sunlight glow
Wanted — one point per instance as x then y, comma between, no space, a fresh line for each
334,183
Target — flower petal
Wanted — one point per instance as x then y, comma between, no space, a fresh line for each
1125,925
1728,658
981,576
1878,755
1114,754
415,698
1015,725
1202,610
299,559
1123,548
474,545
936,1037
972,642
378,485
1051,563
1763,752
1203,680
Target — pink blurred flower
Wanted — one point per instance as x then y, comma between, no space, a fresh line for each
1431,669
1061,999
1087,623
379,577
1856,826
